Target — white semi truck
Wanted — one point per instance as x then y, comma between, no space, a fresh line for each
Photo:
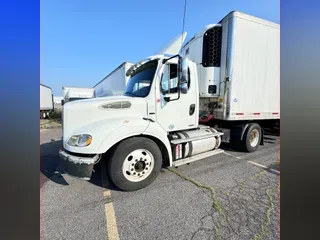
46,101
222,86
114,83
70,94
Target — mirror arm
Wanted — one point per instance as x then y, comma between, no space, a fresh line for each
167,59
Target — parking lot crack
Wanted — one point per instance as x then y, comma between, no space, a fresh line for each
244,183
264,228
215,204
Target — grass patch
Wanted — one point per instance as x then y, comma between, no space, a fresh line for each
244,183
53,121
56,114
264,229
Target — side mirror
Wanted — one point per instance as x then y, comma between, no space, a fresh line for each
62,102
183,75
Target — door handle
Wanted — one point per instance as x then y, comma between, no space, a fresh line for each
148,119
191,109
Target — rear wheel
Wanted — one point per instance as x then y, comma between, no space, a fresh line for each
135,163
252,137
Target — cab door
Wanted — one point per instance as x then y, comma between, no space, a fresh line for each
176,109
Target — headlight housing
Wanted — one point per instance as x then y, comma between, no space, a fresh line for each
82,140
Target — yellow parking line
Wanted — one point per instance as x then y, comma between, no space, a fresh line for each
229,154
112,229
107,193
265,167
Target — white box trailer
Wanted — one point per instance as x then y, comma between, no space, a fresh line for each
238,65
114,83
46,101
70,94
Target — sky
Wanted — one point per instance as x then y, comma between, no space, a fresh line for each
82,41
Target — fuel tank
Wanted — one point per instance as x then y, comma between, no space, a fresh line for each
202,140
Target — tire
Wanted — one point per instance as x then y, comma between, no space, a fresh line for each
133,157
43,115
250,143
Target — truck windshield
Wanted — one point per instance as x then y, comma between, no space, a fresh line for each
140,81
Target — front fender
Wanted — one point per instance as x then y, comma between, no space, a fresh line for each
132,128
156,131
137,128
105,132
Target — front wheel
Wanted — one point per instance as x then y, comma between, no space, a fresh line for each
135,163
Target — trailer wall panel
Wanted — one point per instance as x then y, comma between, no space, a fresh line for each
254,69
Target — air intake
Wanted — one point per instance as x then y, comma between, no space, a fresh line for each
211,54
116,105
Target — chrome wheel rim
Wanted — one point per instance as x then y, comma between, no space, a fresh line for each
138,165
254,137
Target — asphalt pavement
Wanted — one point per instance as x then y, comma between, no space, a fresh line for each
233,195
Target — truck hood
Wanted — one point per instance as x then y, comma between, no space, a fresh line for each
78,116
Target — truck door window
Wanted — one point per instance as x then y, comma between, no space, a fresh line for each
189,80
169,81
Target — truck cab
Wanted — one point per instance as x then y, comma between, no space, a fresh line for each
154,123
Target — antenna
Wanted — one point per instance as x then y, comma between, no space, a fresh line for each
184,17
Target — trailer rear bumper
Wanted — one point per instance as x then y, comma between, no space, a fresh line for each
78,166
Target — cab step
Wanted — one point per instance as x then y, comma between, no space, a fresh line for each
196,157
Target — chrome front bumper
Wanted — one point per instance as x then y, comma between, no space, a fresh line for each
78,166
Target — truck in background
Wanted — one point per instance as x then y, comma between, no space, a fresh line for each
114,83
178,109
46,101
70,94
57,99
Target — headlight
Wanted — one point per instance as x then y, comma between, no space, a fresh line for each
82,140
